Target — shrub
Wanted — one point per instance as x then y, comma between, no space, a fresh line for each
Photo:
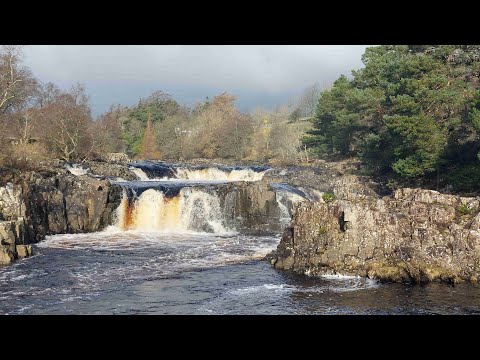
322,230
328,197
465,179
464,209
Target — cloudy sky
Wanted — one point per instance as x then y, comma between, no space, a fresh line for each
257,75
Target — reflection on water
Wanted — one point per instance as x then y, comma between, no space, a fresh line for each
152,273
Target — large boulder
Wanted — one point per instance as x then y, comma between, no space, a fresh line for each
416,235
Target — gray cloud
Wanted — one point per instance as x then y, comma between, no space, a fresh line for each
258,75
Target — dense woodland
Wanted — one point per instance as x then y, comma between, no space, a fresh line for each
411,115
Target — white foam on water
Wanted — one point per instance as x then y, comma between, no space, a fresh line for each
77,169
216,174
340,277
282,198
210,174
140,174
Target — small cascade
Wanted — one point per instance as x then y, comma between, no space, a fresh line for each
158,171
76,169
287,201
140,174
288,198
216,174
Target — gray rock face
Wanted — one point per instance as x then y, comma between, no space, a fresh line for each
34,205
14,237
252,207
416,235
111,170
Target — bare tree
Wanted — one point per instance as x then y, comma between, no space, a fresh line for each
309,99
108,130
46,94
67,125
16,81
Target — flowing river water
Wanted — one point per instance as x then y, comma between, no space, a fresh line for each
172,250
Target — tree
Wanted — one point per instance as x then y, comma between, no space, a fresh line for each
307,103
220,130
411,112
67,126
149,147
109,131
157,107
17,84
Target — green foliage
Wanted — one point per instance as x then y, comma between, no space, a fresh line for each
412,112
328,197
157,107
295,115
322,230
465,179
464,209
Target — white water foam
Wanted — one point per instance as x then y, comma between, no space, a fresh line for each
77,169
215,174
283,197
204,175
192,210
140,174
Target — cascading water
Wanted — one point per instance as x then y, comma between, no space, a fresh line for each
174,198
191,210
215,174
77,169
287,200
140,174
151,171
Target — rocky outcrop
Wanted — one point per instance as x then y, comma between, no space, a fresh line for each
253,207
415,236
36,204
14,241
109,170
340,178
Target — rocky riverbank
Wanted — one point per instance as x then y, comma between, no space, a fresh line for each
413,236
60,198
51,200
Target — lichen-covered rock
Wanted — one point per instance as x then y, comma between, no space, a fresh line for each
416,235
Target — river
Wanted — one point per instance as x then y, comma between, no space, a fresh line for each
174,252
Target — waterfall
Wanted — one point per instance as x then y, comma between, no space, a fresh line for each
216,174
178,199
192,210
152,171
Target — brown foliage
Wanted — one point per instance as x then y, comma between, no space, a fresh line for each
149,148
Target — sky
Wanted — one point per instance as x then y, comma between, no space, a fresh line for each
258,75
